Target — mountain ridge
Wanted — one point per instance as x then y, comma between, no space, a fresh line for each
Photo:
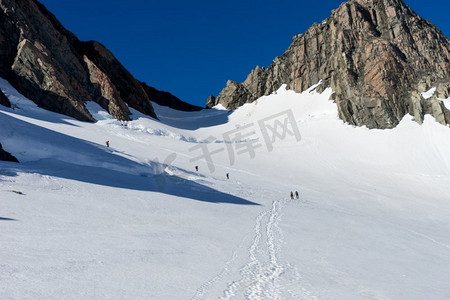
48,64
377,56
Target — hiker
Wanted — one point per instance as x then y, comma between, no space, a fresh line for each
196,168
107,143
296,194
228,175
292,195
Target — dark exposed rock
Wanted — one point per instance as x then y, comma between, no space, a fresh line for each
128,89
49,65
6,156
234,95
210,102
376,55
167,99
106,92
4,100
44,67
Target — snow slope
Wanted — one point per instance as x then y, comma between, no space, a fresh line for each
80,220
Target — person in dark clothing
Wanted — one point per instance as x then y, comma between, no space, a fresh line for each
296,194
228,175
107,143
196,168
292,195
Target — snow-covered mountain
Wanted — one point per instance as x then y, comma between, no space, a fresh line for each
135,220
378,56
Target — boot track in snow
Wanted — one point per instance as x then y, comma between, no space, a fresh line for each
263,276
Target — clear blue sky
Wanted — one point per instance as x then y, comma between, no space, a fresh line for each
191,48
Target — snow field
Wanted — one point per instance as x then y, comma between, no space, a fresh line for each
136,221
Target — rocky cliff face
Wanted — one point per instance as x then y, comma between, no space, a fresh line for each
130,91
49,65
378,56
38,58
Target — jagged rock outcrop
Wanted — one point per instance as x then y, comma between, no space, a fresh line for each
6,156
129,89
4,100
38,59
167,99
234,95
110,97
49,65
211,101
376,55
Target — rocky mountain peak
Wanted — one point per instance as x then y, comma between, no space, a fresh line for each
51,66
378,56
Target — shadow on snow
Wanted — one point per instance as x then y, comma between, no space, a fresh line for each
76,159
192,120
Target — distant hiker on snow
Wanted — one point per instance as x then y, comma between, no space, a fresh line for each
107,143
292,195
228,175
196,168
296,194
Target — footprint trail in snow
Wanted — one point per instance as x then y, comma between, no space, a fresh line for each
264,275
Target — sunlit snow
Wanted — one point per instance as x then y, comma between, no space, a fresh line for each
428,94
135,220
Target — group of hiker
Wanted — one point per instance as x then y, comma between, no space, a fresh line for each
293,195
227,174
228,177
